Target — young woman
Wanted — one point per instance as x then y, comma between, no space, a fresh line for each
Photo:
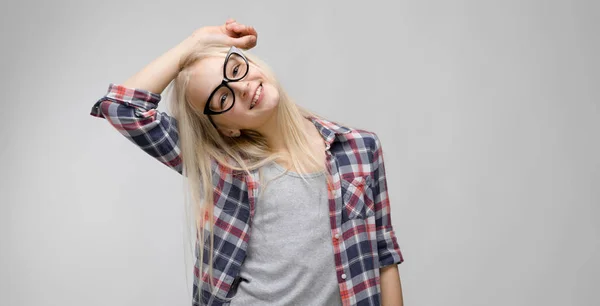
289,208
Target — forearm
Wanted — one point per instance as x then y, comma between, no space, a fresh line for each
391,289
157,75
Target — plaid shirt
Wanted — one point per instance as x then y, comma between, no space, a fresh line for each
362,236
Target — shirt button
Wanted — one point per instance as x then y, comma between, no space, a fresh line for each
344,276
337,236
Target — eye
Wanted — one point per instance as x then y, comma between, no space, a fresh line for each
223,99
235,70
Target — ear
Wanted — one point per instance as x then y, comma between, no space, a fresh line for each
229,133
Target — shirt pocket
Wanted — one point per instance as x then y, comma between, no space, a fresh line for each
357,197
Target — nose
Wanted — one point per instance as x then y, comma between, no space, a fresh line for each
242,90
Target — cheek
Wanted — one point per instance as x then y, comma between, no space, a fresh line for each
237,110
272,93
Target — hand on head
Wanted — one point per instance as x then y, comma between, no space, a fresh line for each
231,33
243,36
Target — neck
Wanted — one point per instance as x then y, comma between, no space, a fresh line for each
274,135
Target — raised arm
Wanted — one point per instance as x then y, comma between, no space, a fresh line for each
159,73
131,106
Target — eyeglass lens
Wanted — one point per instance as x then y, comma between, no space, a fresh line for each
235,69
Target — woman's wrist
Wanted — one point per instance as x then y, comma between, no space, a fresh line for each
155,76
184,48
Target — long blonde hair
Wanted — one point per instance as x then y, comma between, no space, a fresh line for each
200,142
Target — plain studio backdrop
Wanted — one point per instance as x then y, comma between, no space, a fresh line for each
488,113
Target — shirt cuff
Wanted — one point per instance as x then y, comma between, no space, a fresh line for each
138,98
388,249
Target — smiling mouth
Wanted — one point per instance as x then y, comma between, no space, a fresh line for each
257,94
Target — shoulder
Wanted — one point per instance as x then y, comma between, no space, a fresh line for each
350,138
361,139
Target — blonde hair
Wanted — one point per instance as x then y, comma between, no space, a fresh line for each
200,142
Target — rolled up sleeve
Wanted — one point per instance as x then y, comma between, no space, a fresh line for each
133,112
387,245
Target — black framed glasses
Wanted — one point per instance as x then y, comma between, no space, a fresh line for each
222,98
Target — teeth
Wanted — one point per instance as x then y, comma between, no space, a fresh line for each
256,95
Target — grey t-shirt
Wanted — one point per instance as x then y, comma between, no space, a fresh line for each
289,260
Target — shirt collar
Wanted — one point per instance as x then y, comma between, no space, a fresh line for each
328,129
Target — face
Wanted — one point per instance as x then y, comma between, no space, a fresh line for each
207,75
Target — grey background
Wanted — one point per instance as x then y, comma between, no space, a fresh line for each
488,113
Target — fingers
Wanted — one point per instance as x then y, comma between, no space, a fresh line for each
240,29
231,27
242,36
235,27
245,42
252,31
